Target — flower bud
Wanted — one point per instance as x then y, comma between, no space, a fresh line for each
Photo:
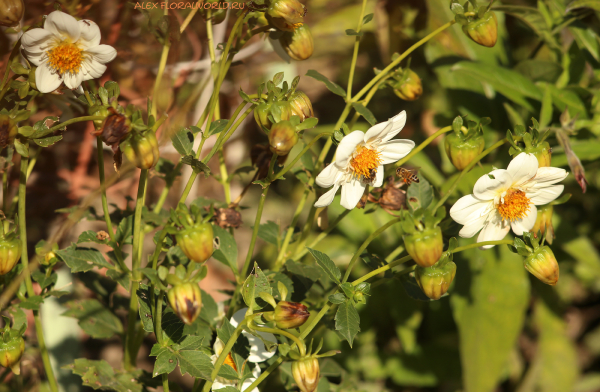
301,105
103,112
228,217
435,280
284,109
218,13
306,373
285,14
141,149
425,247
462,152
114,128
186,301
8,130
483,31
282,138
11,352
542,264
10,253
261,115
289,315
392,198
542,152
196,242
11,12
543,223
409,88
298,44
47,260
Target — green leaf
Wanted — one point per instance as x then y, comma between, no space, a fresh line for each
100,375
306,271
366,113
333,87
539,70
195,363
337,298
592,4
352,32
90,236
367,18
198,166
143,296
22,148
269,232
125,230
327,265
563,99
83,259
255,284
217,127
347,321
227,252
546,112
47,141
95,320
183,141
32,303
166,361
44,280
422,192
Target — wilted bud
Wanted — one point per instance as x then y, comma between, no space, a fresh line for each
392,199
289,315
425,247
186,301
306,373
228,217
114,128
11,352
543,153
196,242
301,105
286,14
572,158
141,149
483,31
462,152
542,264
10,253
435,280
11,12
261,115
543,223
298,44
409,87
8,130
282,138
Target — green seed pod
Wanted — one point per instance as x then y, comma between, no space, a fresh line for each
306,373
462,152
434,280
285,14
483,31
196,242
10,253
425,247
141,149
542,152
186,301
282,138
8,130
408,88
542,264
11,12
289,315
301,105
261,115
298,44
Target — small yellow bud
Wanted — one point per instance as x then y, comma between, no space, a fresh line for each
11,352
306,373
425,247
462,152
285,14
483,31
141,149
543,265
11,12
301,105
289,315
298,44
435,281
408,87
186,301
282,138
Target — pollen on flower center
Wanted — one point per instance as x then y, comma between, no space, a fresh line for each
365,162
65,58
514,206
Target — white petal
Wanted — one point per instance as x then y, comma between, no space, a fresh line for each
545,195
378,131
328,176
258,352
347,147
327,197
546,176
247,382
487,188
63,25
494,230
351,193
468,208
525,224
92,69
46,79
102,53
399,122
394,150
473,227
522,168
73,81
90,34
379,177
36,40
217,385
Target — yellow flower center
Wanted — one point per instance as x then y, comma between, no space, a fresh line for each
365,162
515,205
229,361
65,57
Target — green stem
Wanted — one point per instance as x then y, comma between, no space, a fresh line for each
304,150
484,243
73,121
290,232
29,286
300,254
261,205
381,269
421,146
355,53
299,343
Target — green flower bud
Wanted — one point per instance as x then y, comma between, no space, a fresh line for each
409,87
542,152
285,14
425,247
284,108
48,257
289,315
462,151
261,115
483,31
282,138
186,301
11,352
543,223
306,373
11,12
298,44
435,280
301,105
542,264
196,242
8,130
10,253
141,149
218,13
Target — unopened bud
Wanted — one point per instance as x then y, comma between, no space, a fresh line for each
298,44
425,247
11,12
483,31
409,87
48,257
282,138
10,253
543,223
306,373
11,352
462,151
196,242
8,130
542,264
542,152
114,128
435,280
141,149
301,105
285,14
261,115
186,301
289,315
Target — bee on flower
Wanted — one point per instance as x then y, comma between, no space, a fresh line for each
359,161
66,50
505,199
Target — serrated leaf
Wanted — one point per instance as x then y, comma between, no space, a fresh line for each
95,320
228,251
143,295
43,280
195,363
366,113
255,284
100,375
47,141
90,236
421,191
333,87
347,321
327,265
183,141
337,298
198,166
83,259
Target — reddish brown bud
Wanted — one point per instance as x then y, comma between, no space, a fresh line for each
186,301
290,314
116,127
228,217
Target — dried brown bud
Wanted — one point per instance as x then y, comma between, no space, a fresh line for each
392,199
116,128
228,217
11,12
102,235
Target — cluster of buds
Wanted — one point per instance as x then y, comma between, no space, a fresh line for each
10,249
434,281
12,346
530,142
11,12
406,84
423,237
464,144
479,23
539,260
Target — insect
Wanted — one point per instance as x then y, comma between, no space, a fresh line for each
86,22
371,175
407,175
